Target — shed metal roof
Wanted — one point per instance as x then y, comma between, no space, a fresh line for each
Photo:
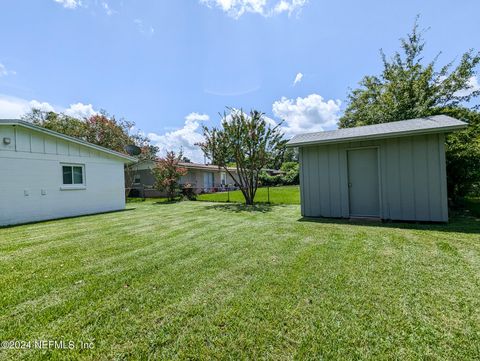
433,124
22,123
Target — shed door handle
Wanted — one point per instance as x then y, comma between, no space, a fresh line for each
349,185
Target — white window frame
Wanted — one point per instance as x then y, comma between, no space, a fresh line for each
223,178
77,186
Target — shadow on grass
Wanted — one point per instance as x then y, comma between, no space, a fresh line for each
155,200
70,217
457,224
165,201
240,207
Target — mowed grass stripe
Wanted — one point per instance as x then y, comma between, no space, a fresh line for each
197,280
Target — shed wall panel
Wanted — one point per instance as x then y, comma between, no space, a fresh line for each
411,171
310,181
392,205
407,178
324,182
443,176
334,181
435,203
301,180
344,201
420,171
315,191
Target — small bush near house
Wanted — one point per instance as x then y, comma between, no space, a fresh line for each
267,180
167,173
188,192
291,176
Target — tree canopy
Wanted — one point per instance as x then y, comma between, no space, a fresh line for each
100,129
410,87
249,142
463,153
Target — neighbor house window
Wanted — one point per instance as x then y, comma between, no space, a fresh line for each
73,175
223,178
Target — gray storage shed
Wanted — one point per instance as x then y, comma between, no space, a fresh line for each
390,171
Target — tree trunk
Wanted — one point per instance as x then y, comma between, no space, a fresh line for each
246,195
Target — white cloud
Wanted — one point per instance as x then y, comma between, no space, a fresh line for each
4,71
144,28
290,7
237,8
183,139
107,8
192,117
74,4
309,114
473,86
43,106
69,4
298,79
14,108
80,110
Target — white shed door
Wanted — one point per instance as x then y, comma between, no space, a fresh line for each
363,182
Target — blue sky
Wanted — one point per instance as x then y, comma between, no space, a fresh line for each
172,65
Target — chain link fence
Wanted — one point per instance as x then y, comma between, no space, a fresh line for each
216,194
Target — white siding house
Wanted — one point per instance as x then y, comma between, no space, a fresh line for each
46,175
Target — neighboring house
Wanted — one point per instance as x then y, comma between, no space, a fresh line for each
46,175
391,171
204,178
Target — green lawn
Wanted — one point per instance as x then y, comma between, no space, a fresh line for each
278,195
199,280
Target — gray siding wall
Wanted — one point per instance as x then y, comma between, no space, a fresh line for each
412,178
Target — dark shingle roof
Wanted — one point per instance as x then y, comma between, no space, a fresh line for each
433,124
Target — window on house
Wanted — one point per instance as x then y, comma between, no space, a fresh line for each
223,178
73,175
137,179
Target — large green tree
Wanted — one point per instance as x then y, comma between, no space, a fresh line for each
463,153
411,87
249,142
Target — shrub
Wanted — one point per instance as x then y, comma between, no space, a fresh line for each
188,192
291,175
267,180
